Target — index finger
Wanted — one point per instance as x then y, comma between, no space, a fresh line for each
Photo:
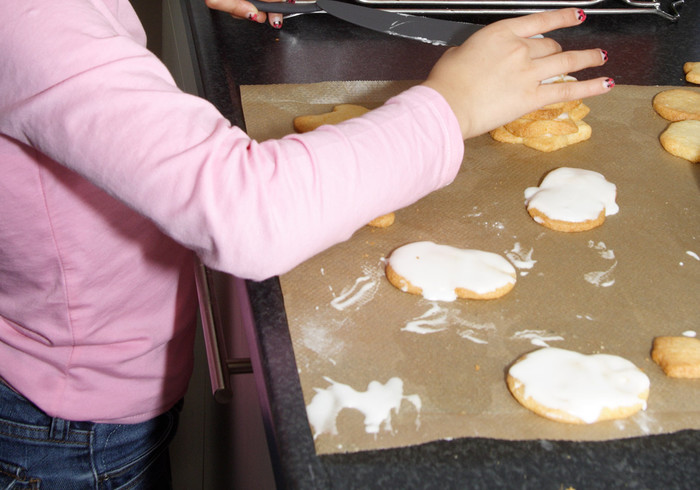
541,22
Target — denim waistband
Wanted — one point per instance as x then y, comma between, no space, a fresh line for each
19,417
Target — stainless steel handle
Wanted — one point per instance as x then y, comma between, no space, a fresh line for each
220,367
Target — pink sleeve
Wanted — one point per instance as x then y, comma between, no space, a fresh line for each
88,94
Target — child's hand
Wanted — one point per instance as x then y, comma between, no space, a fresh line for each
494,77
244,10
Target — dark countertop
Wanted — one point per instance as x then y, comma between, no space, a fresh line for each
643,50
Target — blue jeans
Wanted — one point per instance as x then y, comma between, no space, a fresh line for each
38,451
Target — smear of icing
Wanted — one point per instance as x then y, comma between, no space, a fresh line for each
537,337
320,339
433,320
601,279
604,278
360,293
689,333
693,254
377,404
602,249
521,258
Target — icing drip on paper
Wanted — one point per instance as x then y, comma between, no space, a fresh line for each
360,293
537,337
438,319
377,404
439,269
579,384
573,195
428,322
604,278
521,259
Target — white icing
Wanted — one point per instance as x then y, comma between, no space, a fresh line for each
356,295
428,322
601,279
558,78
578,384
537,337
689,333
602,249
573,195
520,258
693,254
439,269
377,404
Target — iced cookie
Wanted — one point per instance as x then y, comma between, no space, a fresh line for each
340,113
445,273
571,200
567,386
692,71
682,139
679,357
677,104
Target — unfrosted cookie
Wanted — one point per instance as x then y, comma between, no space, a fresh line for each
552,111
682,139
445,273
524,128
679,357
340,113
568,386
571,200
545,142
692,71
383,221
677,104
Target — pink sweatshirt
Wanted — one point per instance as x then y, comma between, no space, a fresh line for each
110,177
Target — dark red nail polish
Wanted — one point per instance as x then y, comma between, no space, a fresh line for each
253,17
581,15
604,54
277,24
609,83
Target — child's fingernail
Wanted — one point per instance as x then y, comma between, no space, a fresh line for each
277,24
609,83
581,15
604,54
253,16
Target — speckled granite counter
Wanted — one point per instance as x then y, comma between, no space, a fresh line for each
643,49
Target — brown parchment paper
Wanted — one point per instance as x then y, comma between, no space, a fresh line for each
611,290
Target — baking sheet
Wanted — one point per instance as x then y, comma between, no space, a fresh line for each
612,289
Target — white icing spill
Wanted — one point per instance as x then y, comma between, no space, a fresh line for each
689,333
580,385
439,269
602,249
693,254
537,337
601,279
360,293
438,318
604,278
573,195
429,322
521,258
377,404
